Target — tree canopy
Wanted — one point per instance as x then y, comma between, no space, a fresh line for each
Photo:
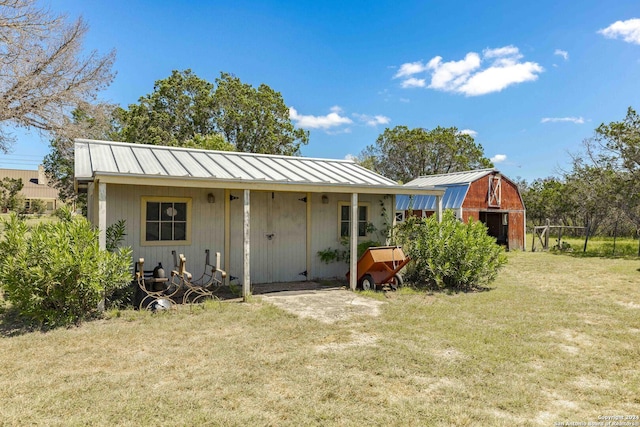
403,154
602,189
185,110
43,75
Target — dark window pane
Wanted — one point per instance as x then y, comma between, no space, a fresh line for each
344,229
180,231
153,211
344,213
153,231
362,228
181,214
362,213
166,229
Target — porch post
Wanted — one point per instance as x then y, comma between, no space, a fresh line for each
353,237
102,215
439,208
309,236
246,274
227,234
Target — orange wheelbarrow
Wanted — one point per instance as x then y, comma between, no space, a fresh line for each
379,266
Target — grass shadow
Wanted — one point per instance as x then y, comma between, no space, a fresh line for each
12,324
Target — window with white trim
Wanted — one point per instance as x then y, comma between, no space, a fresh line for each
345,215
166,220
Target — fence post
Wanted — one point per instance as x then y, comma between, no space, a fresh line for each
586,238
546,235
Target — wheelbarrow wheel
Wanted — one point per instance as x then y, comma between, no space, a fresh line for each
396,282
367,283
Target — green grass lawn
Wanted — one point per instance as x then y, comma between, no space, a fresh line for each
557,339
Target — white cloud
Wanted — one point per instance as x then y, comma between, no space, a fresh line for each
498,158
500,52
562,53
350,157
468,76
372,120
448,75
496,78
410,68
413,82
331,120
576,120
470,132
628,30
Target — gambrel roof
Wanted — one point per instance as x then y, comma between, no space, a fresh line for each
119,162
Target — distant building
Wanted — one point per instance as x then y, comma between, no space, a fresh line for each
484,195
35,186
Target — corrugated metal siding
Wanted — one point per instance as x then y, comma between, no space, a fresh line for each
137,159
452,199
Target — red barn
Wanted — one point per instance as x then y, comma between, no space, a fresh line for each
485,195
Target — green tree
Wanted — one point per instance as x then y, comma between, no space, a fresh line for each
93,121
255,120
609,168
179,109
403,154
186,111
9,197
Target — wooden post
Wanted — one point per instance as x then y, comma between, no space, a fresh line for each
102,215
227,233
586,238
353,258
439,208
546,235
615,236
246,227
560,238
309,234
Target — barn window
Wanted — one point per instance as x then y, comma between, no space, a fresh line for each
345,214
166,220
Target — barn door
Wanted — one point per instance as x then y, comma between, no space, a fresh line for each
278,237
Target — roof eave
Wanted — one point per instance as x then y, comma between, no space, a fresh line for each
231,184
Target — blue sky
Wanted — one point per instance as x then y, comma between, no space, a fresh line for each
529,80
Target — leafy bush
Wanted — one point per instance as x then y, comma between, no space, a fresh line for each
37,206
55,274
449,254
342,255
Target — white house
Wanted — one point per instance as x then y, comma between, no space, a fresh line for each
267,215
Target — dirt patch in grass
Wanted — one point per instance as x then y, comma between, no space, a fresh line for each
328,306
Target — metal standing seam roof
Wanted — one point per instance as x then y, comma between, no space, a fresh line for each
456,185
454,178
138,160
